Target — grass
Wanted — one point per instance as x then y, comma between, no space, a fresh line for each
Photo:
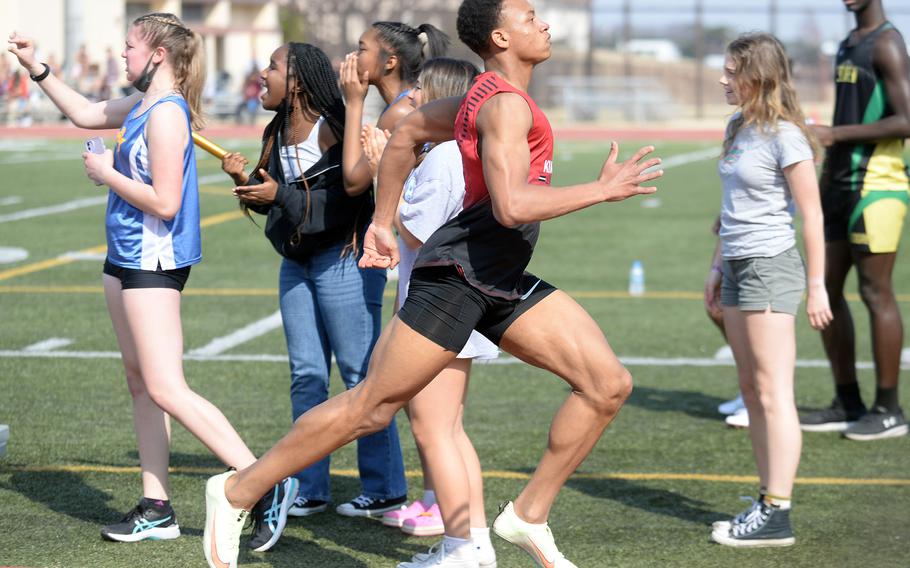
645,497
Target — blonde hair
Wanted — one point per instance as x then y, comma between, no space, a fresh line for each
443,77
764,81
185,54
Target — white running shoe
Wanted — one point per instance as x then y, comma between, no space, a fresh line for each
740,419
223,525
536,540
436,556
731,406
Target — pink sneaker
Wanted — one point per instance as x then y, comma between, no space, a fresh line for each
428,523
397,517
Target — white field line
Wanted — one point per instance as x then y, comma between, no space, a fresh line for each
221,344
53,209
48,345
260,358
11,200
689,157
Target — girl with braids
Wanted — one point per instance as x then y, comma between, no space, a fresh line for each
316,215
389,56
758,277
153,238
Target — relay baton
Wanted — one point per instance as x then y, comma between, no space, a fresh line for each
208,145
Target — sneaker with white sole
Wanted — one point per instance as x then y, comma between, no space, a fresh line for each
739,419
764,526
731,406
726,524
223,525
428,523
271,514
303,507
436,556
363,506
536,540
834,418
878,424
145,521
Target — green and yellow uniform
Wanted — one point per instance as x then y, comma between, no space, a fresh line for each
864,185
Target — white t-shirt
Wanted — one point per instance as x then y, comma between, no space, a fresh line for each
757,212
434,194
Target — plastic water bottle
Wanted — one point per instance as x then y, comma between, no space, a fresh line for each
636,279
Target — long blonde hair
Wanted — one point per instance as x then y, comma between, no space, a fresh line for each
185,54
764,81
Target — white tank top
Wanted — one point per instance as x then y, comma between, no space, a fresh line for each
297,159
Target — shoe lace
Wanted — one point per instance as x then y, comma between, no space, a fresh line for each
753,521
363,500
133,515
753,504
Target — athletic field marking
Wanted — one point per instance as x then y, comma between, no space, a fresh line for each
48,345
270,358
79,255
53,209
70,257
688,158
11,200
221,344
88,202
489,474
272,292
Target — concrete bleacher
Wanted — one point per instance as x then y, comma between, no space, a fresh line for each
636,99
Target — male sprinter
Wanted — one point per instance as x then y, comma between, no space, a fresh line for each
470,275
864,187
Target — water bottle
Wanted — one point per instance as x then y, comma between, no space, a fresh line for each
636,279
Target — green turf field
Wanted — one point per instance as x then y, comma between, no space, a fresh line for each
646,497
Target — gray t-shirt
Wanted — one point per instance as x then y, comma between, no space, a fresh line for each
757,212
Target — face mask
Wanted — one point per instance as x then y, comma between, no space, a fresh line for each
145,79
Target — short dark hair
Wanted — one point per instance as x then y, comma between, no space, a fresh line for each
476,21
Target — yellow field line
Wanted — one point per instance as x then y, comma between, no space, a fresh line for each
62,260
587,294
492,474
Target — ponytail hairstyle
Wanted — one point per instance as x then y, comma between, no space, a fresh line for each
765,84
185,54
444,77
412,46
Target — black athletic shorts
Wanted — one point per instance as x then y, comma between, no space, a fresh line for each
131,278
444,308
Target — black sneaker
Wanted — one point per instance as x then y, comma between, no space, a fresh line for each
144,521
878,424
363,506
764,526
835,418
270,514
304,507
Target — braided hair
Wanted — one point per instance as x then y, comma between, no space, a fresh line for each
411,45
316,90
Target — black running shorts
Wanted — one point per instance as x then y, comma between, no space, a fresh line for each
444,308
131,278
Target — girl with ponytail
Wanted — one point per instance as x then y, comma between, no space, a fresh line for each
316,216
389,56
153,239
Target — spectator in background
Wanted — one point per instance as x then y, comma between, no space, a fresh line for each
250,93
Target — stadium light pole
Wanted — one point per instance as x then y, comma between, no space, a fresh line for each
72,31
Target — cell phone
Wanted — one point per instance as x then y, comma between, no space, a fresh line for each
95,145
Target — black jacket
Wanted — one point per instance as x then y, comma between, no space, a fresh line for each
333,217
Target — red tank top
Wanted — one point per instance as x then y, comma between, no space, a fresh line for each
540,137
488,255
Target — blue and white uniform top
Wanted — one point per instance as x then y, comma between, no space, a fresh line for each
140,240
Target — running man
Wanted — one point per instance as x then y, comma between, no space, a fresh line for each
470,275
864,187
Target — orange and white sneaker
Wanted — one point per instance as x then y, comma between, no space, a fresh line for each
223,525
536,540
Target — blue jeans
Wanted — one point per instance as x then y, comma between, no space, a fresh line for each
329,305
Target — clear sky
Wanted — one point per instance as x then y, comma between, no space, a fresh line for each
831,19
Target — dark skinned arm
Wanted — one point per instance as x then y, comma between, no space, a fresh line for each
893,66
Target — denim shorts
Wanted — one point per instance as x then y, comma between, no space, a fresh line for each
753,284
